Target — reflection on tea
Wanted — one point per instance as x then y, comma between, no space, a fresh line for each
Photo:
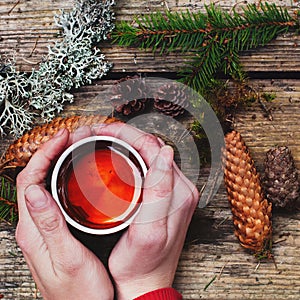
100,187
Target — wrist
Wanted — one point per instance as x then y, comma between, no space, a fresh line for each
133,289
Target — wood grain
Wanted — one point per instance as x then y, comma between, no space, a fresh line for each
26,31
211,250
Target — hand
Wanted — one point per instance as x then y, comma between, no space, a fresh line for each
61,266
146,256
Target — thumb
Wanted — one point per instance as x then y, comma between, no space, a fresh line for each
158,188
49,221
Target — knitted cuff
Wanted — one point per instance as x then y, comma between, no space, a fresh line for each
161,294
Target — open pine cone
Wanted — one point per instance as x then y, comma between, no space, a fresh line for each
171,100
281,182
19,153
129,95
251,211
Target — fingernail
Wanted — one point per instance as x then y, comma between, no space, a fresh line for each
97,127
160,141
59,133
165,158
82,129
36,196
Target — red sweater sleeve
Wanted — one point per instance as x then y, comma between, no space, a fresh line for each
161,294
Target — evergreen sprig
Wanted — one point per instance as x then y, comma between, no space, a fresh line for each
8,201
214,39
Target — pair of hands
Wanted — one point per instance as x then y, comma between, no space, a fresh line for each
146,256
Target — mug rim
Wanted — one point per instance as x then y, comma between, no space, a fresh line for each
61,160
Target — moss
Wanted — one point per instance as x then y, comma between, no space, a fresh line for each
72,62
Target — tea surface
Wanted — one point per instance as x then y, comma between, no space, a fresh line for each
100,188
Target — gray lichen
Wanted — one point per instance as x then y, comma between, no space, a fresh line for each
14,95
73,61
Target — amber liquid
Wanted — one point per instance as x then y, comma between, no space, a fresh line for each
100,188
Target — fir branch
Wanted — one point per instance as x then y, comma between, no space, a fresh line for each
8,201
187,30
167,31
216,37
200,70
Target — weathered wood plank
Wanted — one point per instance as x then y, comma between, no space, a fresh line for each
15,279
29,28
260,133
235,270
211,248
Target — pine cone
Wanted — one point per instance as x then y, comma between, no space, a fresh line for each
171,100
280,180
19,153
251,211
129,95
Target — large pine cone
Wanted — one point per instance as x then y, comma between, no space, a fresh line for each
19,153
129,95
280,180
251,211
171,100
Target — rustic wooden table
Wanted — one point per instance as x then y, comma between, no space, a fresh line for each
212,264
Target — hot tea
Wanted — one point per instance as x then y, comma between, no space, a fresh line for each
99,185
96,193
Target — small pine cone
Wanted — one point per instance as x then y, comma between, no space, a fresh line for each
171,100
280,181
19,153
251,211
129,95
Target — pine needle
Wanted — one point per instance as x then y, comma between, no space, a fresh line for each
216,37
210,282
8,201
